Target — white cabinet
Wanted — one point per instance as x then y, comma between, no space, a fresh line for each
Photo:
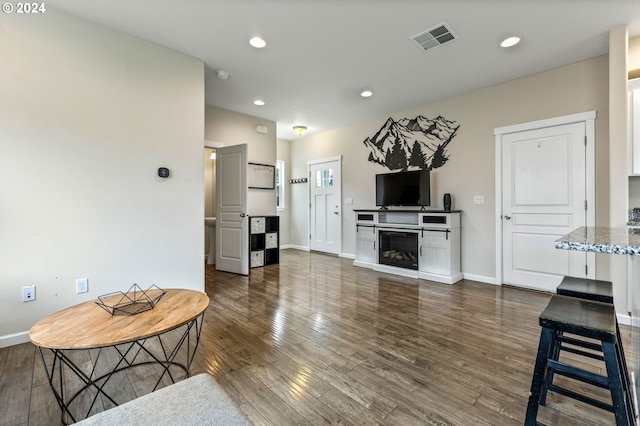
634,127
437,243
366,243
440,247
366,237
435,252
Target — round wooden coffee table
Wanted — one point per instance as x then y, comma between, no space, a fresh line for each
79,371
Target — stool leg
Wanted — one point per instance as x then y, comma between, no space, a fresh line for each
614,374
547,340
554,354
625,371
626,381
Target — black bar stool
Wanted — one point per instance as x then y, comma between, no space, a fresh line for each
587,319
583,288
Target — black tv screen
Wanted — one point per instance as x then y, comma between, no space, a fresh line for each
403,189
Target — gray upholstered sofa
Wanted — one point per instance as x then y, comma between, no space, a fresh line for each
198,400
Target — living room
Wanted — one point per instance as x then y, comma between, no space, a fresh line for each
90,113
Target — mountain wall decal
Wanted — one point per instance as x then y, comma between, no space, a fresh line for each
412,143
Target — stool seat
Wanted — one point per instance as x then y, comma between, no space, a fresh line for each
583,288
586,318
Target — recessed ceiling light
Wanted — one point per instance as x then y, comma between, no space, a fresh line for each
510,41
257,42
258,102
366,93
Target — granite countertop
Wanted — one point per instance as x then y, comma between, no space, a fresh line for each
620,240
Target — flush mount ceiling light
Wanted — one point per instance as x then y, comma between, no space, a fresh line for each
258,102
510,41
257,42
299,129
366,93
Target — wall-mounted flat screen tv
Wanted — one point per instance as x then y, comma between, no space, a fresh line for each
410,188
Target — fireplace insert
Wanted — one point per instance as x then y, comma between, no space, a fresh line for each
398,248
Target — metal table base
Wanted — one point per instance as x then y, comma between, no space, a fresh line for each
78,382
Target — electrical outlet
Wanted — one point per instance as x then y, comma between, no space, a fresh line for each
478,199
82,285
29,293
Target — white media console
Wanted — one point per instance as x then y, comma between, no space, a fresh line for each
417,244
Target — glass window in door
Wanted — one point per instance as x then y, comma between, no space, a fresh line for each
324,178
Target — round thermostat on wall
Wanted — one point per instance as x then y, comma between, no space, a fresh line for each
163,172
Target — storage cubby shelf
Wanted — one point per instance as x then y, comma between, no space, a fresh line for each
264,240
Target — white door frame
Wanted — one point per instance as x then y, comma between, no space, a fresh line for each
312,163
588,118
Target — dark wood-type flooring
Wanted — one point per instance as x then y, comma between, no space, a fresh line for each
316,340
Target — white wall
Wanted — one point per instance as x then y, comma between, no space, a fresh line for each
633,64
232,128
284,154
618,156
470,171
87,115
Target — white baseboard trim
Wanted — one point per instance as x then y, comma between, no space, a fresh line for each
479,278
293,246
14,339
304,248
623,319
445,279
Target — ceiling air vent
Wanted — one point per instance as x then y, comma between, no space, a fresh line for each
434,37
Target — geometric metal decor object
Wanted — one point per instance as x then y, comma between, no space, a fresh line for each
134,301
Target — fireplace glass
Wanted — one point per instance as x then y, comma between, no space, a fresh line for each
397,248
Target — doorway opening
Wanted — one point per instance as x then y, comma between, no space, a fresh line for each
210,162
209,204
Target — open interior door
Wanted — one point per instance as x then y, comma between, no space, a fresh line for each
232,236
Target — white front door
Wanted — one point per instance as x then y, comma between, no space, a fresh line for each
325,224
232,231
544,196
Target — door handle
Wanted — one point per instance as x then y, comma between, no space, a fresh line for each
243,214
507,217
336,213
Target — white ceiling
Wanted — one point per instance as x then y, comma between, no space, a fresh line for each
321,54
